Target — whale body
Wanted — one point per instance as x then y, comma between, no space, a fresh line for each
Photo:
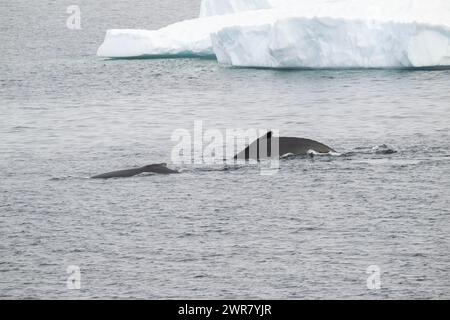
153,168
287,145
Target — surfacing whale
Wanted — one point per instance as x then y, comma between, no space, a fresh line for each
153,168
287,145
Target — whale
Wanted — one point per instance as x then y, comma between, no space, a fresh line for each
287,146
152,168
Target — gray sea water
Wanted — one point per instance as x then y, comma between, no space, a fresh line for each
310,231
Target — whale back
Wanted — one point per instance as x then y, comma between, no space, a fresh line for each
158,168
286,145
153,168
120,174
301,146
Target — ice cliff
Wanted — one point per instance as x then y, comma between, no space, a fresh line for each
301,34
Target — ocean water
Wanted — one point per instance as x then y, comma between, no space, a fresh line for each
311,231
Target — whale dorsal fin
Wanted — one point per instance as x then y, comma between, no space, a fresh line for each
263,139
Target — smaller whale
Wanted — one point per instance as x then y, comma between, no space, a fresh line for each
153,168
287,145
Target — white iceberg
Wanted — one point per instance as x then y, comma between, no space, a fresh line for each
210,8
333,43
301,34
185,38
430,11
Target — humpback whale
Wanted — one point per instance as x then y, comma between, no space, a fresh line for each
257,150
153,168
287,145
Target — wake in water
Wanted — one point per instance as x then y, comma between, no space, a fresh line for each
382,149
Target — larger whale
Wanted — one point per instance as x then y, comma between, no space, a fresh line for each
262,147
153,168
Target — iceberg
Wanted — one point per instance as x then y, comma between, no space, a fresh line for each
185,38
333,43
210,8
432,11
300,34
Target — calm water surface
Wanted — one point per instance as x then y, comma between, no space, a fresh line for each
309,231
